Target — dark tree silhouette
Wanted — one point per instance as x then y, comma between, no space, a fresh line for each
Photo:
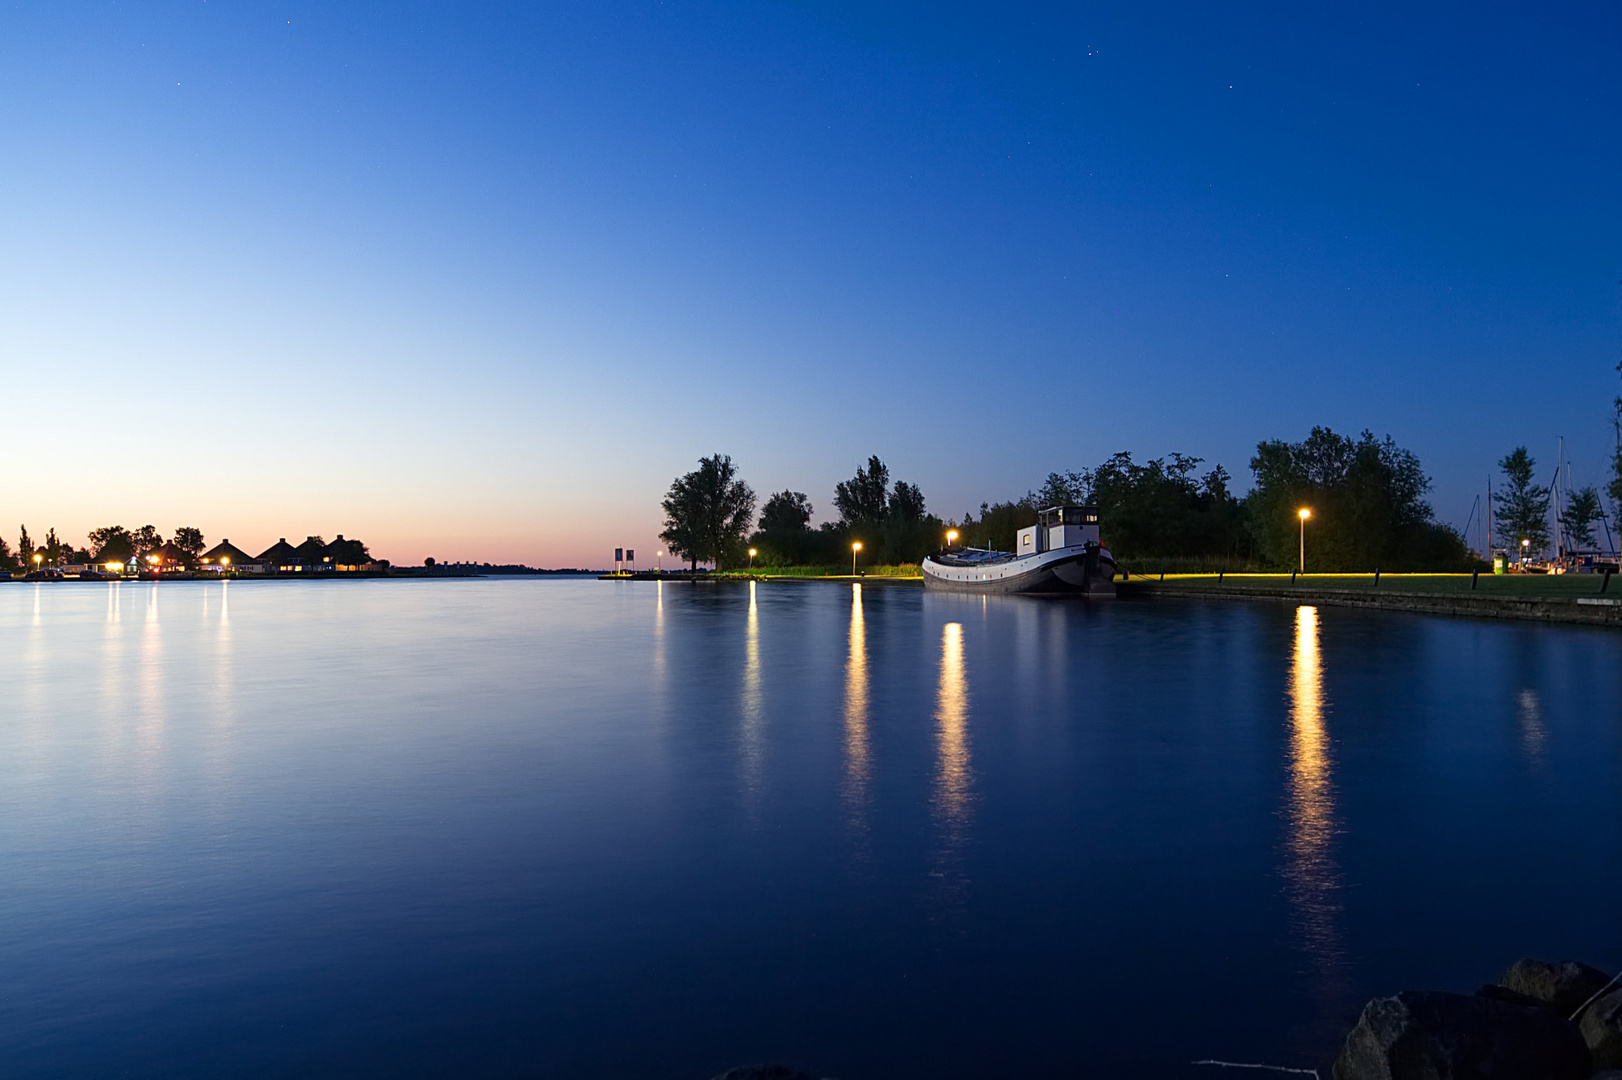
708,513
1523,508
189,540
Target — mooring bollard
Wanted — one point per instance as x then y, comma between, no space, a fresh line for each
1473,575
1219,576
1377,577
1162,575
1292,577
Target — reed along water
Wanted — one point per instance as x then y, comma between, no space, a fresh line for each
540,827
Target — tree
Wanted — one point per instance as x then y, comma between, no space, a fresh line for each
146,539
785,537
1579,516
8,561
708,513
53,548
1367,501
189,540
863,499
1523,509
113,543
785,512
1064,489
25,546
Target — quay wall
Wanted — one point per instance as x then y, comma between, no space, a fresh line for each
1585,610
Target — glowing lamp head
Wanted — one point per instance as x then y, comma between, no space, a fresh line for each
1526,543
151,558
38,559
226,561
1304,513
857,546
951,536
751,553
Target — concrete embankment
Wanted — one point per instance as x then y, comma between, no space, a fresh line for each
1587,610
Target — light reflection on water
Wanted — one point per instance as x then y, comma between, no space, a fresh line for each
1310,870
857,765
751,743
441,827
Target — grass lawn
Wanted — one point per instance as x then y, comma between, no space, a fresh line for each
1551,585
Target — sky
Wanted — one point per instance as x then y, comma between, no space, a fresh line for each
476,281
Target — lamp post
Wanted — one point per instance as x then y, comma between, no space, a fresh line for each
751,560
951,537
38,558
1304,513
854,548
1526,546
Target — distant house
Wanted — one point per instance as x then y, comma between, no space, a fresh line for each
281,558
346,556
166,560
312,555
226,555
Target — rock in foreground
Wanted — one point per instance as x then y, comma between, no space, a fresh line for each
1563,986
1427,1035
1602,1027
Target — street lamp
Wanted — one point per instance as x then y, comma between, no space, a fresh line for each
854,548
1525,548
38,558
751,560
1304,513
659,561
951,537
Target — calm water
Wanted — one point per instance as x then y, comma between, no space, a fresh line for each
579,828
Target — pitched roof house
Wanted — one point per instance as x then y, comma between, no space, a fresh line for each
224,553
281,557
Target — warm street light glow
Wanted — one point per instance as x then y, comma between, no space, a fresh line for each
1304,513
951,536
751,559
38,558
751,553
854,548
226,561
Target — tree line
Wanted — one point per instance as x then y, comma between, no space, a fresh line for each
110,543
116,543
710,517
1367,497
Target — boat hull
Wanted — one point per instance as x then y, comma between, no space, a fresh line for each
1078,571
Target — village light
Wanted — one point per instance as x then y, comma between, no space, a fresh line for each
751,559
38,558
854,548
225,560
951,537
1304,513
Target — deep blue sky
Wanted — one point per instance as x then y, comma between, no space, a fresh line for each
476,281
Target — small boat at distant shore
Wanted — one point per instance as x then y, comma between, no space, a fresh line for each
1061,553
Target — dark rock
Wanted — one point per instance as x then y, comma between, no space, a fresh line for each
764,1072
1513,997
1421,1035
1602,1030
1563,986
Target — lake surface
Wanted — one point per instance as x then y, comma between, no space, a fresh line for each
579,828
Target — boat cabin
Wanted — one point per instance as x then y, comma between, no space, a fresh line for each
1059,527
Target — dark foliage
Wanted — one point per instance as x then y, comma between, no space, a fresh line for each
708,513
1367,501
